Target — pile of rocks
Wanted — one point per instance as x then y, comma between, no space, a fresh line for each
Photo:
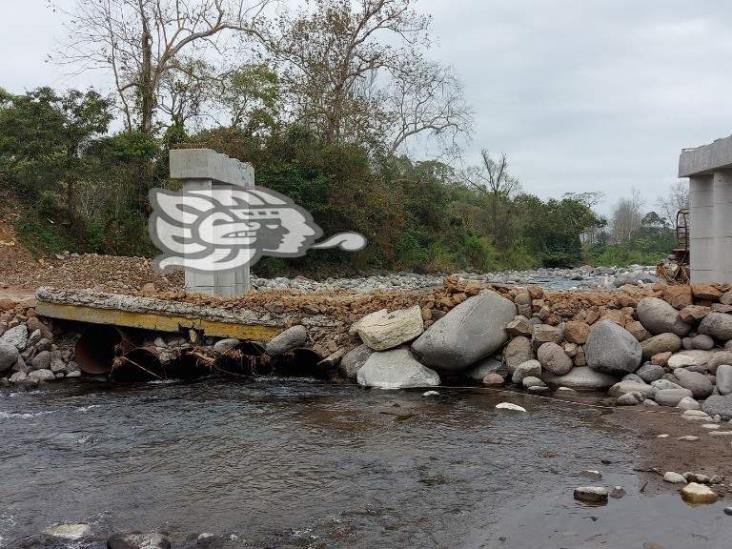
29,353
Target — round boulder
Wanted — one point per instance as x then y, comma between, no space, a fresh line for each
553,359
717,325
661,343
698,384
658,317
612,349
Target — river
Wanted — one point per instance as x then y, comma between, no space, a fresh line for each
300,464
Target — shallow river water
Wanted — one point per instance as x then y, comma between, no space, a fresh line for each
298,464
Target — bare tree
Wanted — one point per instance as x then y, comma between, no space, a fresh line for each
627,217
142,41
676,199
492,179
355,71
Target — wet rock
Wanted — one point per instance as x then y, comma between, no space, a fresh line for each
528,368
544,333
591,474
650,403
18,377
73,374
18,337
617,492
650,372
717,325
688,403
625,387
395,369
720,405
38,376
689,358
581,379
658,317
728,510
630,399
353,360
724,379
8,357
661,343
510,406
702,342
695,415
611,349
383,330
485,367
290,339
493,379
553,359
473,330
698,384
517,352
671,397
591,494
576,332
138,540
698,493
67,532
225,345
674,478
530,382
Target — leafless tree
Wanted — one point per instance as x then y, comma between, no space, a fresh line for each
355,71
676,199
142,41
627,217
493,179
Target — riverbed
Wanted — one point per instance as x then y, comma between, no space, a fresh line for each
296,463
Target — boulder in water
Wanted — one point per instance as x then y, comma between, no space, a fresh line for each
396,369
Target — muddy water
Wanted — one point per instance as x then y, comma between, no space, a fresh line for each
298,464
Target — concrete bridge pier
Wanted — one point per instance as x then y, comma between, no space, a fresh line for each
709,169
206,168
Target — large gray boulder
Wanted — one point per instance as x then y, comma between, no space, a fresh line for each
661,343
697,383
718,405
659,317
8,357
611,349
517,352
724,379
473,330
553,359
717,325
383,330
580,379
353,360
290,339
16,336
395,369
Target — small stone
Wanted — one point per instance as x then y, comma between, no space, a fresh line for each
688,403
510,406
617,492
728,511
591,494
528,368
674,478
493,379
662,435
721,433
591,474
710,426
688,438
430,394
650,372
630,399
698,493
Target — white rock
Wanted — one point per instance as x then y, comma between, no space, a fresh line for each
68,532
674,478
396,369
383,330
591,494
430,394
510,406
688,438
689,358
710,426
698,493
16,336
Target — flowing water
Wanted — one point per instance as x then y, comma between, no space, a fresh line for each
298,464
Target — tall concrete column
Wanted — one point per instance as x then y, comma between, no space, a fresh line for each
709,169
204,168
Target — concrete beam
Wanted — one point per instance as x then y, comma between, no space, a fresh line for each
706,159
208,165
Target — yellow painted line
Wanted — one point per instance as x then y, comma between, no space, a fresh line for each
156,321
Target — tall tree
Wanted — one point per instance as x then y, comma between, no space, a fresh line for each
676,199
141,42
627,217
356,72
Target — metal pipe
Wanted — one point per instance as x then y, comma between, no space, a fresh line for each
98,346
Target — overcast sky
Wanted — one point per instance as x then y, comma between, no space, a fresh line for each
582,95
